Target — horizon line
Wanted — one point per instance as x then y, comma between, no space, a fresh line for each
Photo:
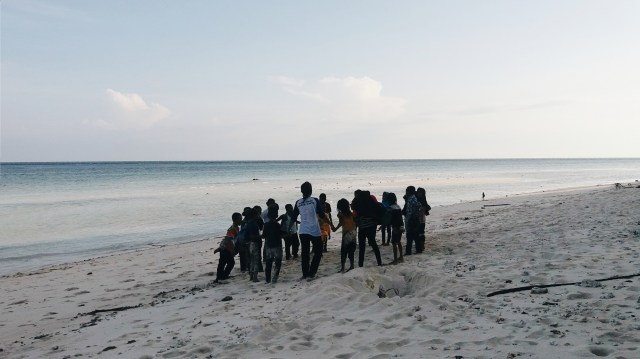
322,160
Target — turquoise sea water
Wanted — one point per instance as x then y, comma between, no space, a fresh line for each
56,212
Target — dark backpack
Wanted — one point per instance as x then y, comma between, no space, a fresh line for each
385,219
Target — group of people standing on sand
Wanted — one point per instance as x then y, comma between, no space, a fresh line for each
306,227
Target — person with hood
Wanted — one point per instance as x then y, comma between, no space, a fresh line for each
368,215
310,211
411,213
397,228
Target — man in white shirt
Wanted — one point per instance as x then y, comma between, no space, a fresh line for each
309,209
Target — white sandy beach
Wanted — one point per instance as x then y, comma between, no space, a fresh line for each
161,302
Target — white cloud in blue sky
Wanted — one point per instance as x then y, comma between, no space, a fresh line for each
346,99
221,80
130,111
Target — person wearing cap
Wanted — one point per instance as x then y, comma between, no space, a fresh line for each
310,211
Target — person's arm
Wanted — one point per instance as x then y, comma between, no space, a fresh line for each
253,231
296,212
339,224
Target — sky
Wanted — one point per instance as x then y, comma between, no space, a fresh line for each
160,80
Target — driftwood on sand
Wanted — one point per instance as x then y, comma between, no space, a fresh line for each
520,289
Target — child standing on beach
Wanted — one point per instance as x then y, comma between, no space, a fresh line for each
421,194
326,222
385,226
348,224
227,249
255,245
325,228
272,246
397,227
289,230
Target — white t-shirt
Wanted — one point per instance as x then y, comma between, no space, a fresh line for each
308,208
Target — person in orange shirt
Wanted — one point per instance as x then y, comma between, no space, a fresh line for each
347,221
227,249
326,222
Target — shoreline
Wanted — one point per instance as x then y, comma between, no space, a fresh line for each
218,236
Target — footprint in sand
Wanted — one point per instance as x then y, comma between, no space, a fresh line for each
600,351
389,346
201,350
579,295
301,346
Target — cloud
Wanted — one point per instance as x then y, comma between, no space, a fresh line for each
131,111
349,98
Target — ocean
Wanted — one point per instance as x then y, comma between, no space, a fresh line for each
52,213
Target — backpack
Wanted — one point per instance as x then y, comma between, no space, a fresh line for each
287,225
385,219
380,212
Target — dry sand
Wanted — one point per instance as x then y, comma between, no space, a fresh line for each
161,302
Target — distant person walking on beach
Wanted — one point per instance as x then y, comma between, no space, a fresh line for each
289,230
411,222
368,211
421,195
310,211
273,246
227,249
348,224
